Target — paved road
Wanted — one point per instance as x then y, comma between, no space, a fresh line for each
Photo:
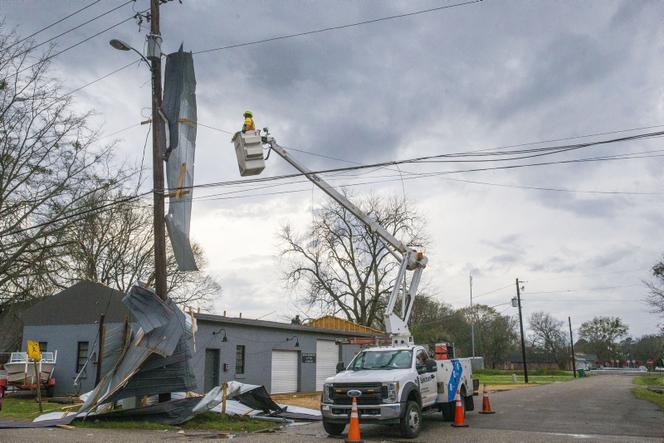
595,409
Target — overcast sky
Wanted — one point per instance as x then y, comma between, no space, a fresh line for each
484,75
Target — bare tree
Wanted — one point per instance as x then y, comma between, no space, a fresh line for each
548,337
343,266
48,167
115,248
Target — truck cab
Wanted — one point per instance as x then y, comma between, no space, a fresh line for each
396,385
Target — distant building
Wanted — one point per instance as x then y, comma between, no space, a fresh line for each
283,357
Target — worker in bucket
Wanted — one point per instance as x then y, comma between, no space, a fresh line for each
248,122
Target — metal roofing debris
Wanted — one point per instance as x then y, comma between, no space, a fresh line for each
180,109
154,359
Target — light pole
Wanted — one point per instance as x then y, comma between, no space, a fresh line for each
154,61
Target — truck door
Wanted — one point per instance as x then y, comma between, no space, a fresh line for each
426,376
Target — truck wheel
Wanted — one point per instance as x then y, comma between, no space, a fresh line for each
333,428
448,411
411,420
469,403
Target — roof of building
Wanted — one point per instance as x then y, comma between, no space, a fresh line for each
276,325
339,324
82,303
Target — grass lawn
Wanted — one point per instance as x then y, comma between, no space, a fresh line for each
28,409
25,409
642,391
496,377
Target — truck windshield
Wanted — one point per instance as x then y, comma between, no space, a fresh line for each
396,359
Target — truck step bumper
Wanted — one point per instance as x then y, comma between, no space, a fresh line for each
341,413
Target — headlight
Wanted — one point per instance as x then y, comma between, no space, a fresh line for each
390,392
327,388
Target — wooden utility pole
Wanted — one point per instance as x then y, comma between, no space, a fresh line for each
571,343
157,158
38,385
100,349
523,343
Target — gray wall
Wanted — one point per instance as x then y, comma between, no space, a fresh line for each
258,341
259,344
64,339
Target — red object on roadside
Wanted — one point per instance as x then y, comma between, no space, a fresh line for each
459,413
3,386
486,405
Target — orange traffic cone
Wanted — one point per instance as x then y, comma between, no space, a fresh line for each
486,406
354,429
459,413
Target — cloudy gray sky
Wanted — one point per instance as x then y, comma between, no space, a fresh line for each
485,75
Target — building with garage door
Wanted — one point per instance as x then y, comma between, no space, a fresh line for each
283,357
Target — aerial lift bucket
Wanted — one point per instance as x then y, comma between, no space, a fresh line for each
249,152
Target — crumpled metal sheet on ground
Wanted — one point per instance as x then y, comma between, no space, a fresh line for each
153,359
180,109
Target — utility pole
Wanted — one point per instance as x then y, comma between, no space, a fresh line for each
472,316
154,54
571,343
100,349
523,343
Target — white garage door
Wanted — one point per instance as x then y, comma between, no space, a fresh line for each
284,371
327,357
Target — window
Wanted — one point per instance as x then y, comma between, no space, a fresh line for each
43,346
81,355
239,359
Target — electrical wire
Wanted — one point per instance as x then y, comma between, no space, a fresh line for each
336,28
53,24
52,56
76,27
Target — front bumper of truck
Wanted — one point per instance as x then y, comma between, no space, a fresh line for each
334,413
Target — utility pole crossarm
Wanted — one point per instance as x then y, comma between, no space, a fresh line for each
393,244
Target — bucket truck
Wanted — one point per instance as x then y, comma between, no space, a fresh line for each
392,384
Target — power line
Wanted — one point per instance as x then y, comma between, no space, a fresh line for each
53,24
50,57
602,288
492,291
105,76
76,27
336,28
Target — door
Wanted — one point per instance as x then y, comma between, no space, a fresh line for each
426,374
284,372
327,357
211,375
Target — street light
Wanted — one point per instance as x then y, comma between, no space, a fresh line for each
153,60
122,46
297,340
224,338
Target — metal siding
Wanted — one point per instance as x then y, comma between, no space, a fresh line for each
284,371
327,357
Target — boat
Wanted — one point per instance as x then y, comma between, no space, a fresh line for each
20,368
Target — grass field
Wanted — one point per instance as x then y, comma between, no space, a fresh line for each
500,377
25,409
28,409
642,392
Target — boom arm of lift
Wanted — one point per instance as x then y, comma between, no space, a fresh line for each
411,260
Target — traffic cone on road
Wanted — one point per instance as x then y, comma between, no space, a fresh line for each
459,413
354,428
486,406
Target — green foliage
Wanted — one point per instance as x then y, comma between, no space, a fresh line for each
650,380
653,397
600,336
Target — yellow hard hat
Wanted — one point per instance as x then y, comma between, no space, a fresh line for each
248,113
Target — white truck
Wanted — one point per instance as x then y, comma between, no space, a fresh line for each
392,384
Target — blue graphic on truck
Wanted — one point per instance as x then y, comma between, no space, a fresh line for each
455,379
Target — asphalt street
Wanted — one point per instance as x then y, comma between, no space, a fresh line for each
594,409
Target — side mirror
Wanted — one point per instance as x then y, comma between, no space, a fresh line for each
341,366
